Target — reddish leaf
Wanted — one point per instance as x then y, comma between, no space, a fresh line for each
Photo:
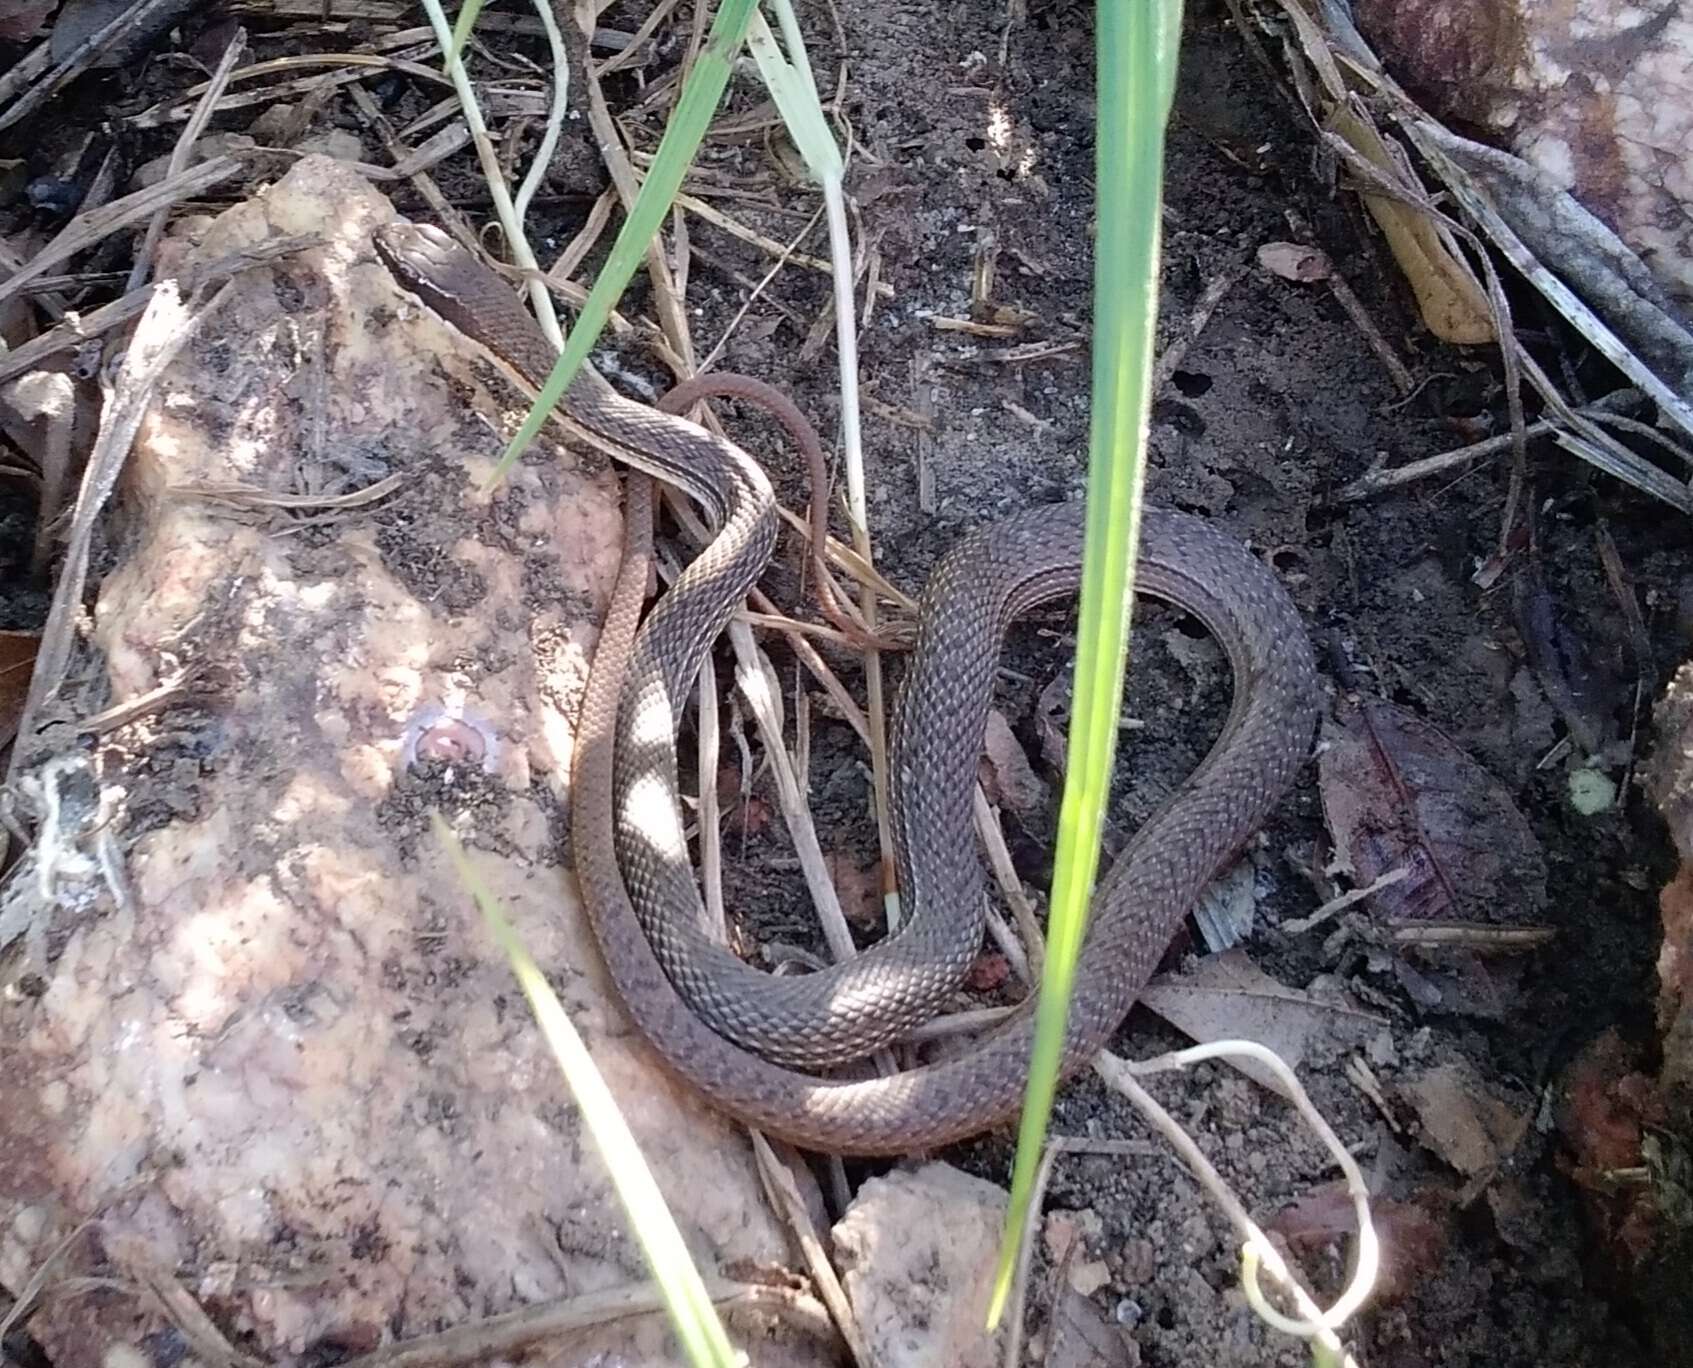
1413,1234
857,889
17,665
988,972
1398,793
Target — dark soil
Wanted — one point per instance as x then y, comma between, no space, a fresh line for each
1277,403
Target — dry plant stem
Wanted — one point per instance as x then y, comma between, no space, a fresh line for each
716,353
449,217
556,110
847,559
1299,926
164,327
1027,966
1170,360
183,150
780,1179
753,676
1058,1145
75,332
1585,439
671,315
488,158
1124,1076
768,245
87,230
359,66
29,69
23,1305
49,396
1379,481
576,251
498,1337
987,825
858,516
177,1306
968,1022
79,59
649,26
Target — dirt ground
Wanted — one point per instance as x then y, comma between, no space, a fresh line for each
975,142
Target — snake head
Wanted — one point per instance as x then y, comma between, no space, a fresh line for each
424,259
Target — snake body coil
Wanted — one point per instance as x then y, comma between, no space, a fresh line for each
631,858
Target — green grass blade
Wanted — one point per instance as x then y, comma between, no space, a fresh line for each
1137,43
682,135
461,31
692,1314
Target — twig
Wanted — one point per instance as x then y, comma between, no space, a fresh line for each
497,1337
765,244
165,326
75,332
86,230
360,66
1174,354
780,1179
182,152
1318,1325
80,58
1057,1145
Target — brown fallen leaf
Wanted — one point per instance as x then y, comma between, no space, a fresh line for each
1007,776
987,973
856,887
1079,1336
1396,792
1292,261
1463,1121
1413,1234
1227,997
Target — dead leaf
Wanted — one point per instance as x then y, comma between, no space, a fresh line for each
1396,792
1291,261
1227,997
1079,1336
1413,1234
857,889
1462,1121
1608,1120
1052,719
1007,776
1608,1106
987,973
1565,662
1450,299
17,665
1228,906
21,20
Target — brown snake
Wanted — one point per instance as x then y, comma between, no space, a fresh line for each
627,843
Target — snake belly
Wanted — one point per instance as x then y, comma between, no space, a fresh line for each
741,1037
